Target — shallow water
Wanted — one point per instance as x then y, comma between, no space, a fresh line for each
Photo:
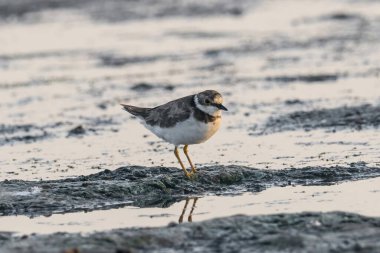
346,197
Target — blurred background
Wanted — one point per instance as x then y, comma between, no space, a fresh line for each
293,74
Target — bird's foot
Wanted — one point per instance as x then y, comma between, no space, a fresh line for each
190,175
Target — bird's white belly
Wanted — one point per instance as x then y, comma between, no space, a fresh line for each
190,131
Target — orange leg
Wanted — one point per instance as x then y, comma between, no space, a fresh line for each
180,162
185,150
183,211
190,218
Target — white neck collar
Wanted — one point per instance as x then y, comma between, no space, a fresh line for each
210,110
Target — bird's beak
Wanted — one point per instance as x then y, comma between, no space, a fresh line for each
221,107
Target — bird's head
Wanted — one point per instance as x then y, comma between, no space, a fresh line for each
209,101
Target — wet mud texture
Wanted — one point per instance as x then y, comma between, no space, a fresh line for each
29,133
119,10
11,133
304,232
357,118
158,186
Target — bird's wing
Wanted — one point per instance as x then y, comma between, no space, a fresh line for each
169,114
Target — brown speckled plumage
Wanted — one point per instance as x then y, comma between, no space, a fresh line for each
173,112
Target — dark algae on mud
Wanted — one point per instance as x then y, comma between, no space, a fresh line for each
302,232
159,186
346,117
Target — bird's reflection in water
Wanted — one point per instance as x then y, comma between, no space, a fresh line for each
190,217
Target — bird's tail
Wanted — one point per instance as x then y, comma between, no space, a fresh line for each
136,111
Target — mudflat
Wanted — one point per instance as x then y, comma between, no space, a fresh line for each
300,79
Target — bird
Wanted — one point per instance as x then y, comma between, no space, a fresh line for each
185,121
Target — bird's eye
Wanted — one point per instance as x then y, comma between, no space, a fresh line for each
207,101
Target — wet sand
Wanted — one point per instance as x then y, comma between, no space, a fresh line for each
302,88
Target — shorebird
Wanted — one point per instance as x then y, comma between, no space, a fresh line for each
185,121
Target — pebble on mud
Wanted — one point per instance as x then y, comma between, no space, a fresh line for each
78,130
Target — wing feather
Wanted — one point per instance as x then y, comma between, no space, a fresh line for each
169,114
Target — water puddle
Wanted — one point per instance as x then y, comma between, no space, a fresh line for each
360,197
